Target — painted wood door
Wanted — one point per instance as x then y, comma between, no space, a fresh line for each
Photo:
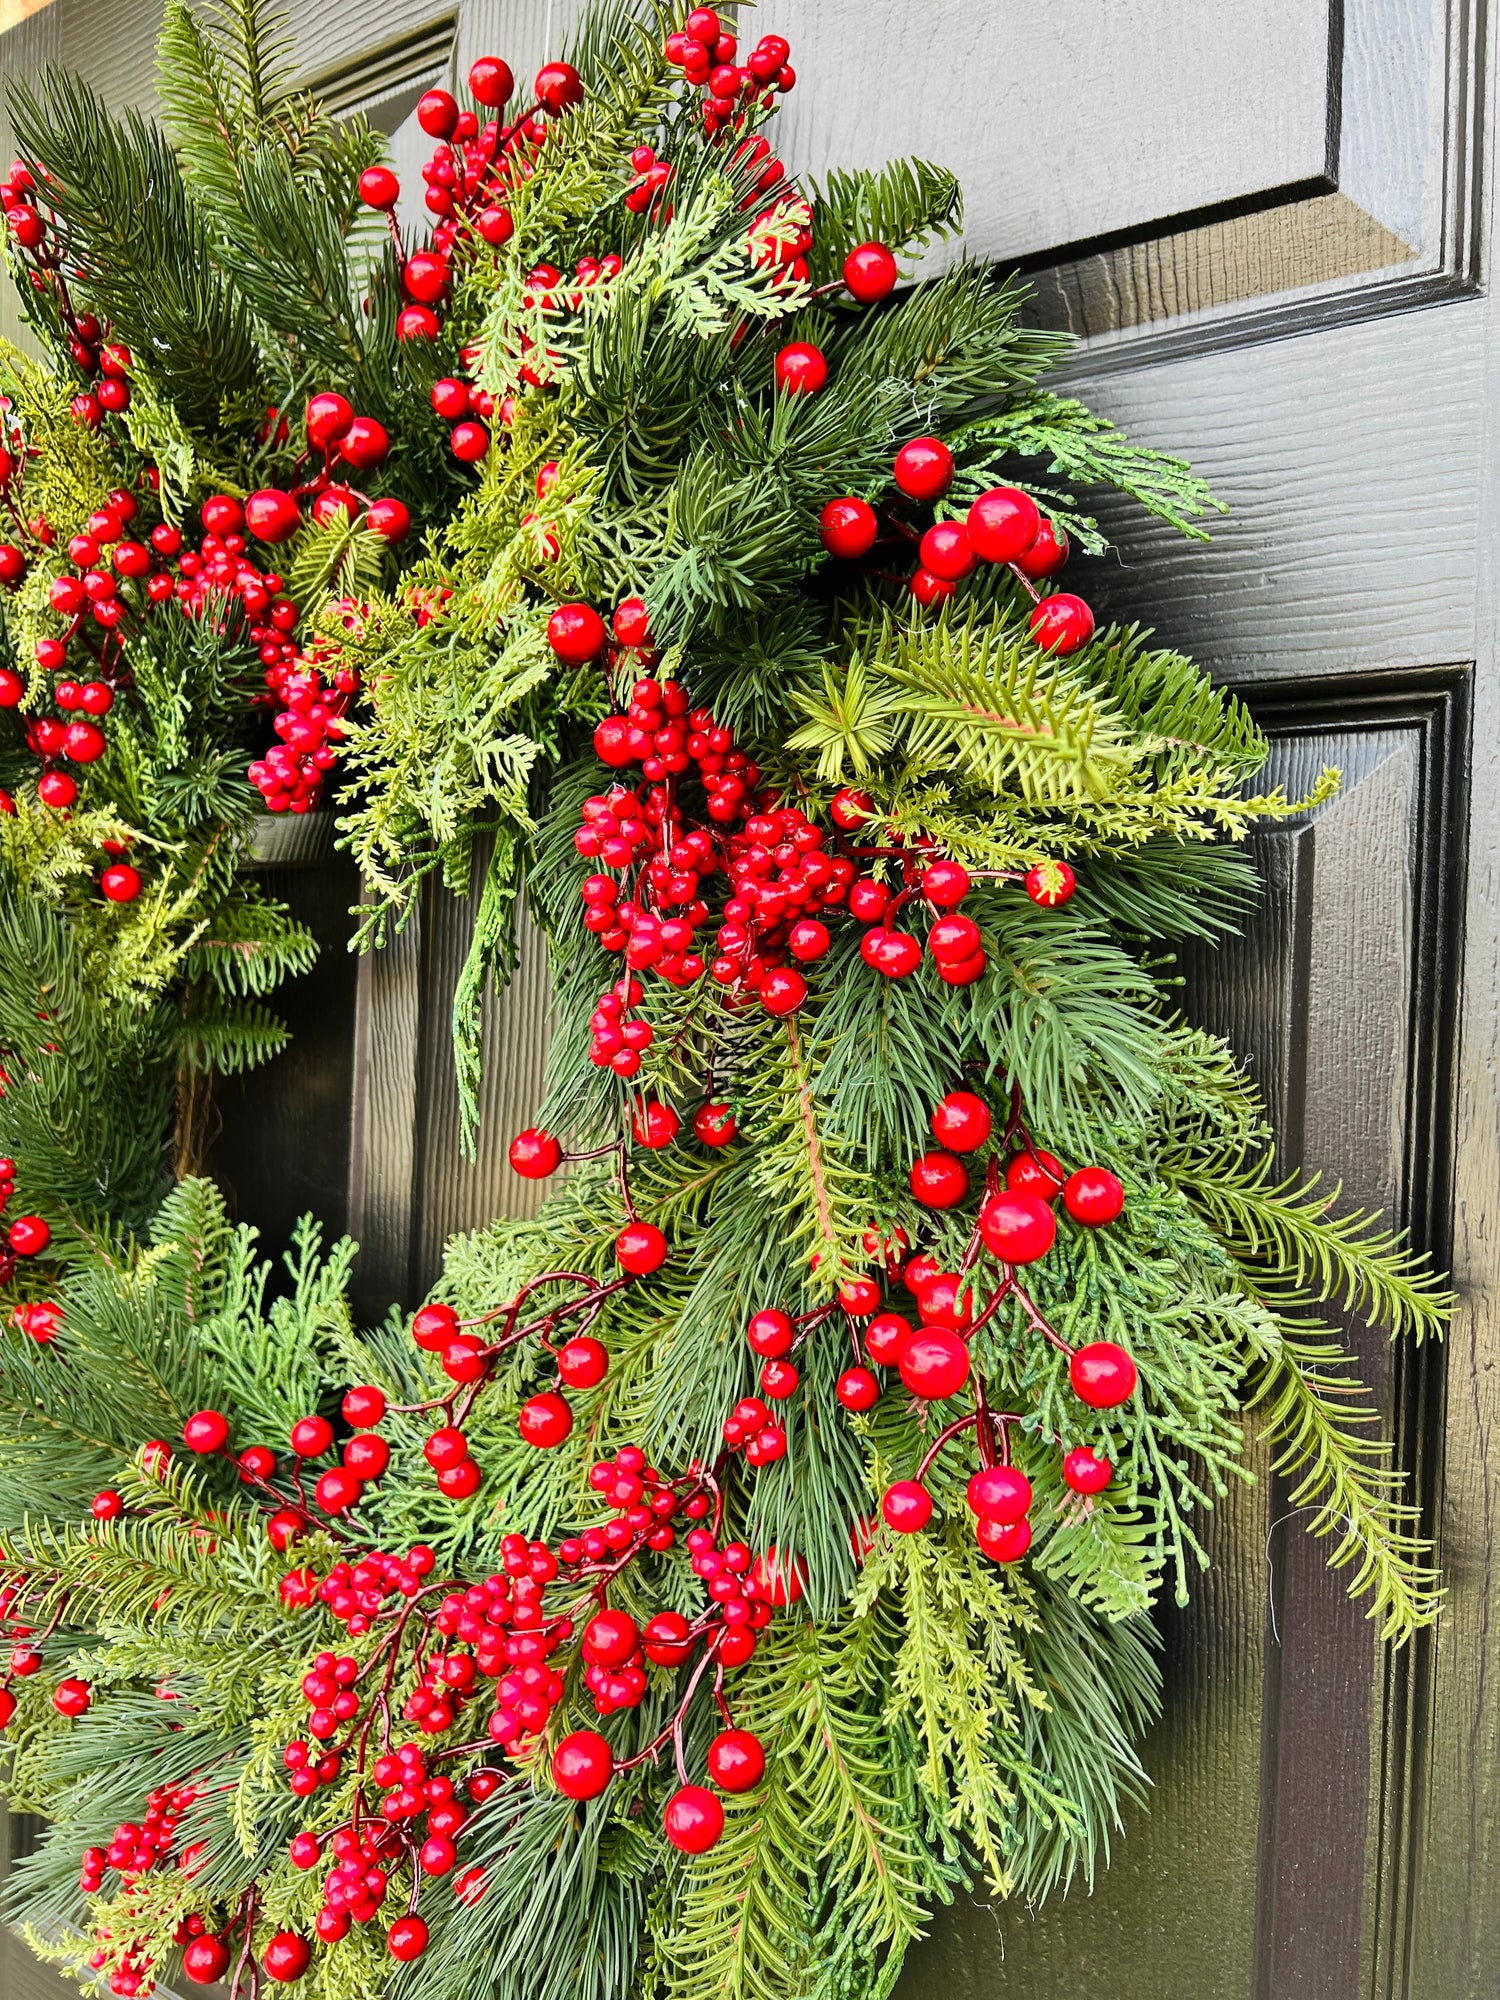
1268,223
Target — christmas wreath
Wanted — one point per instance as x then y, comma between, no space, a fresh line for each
758,1546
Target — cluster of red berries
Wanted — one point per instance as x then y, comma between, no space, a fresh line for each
705,54
104,364
26,1236
134,1850
315,689
345,444
469,179
1002,526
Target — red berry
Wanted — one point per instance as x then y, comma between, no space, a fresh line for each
857,1389
945,884
771,1333
801,369
630,623
582,1764
1041,891
694,1819
558,87
894,954
654,1125
534,1154
107,1506
714,1125
850,808
1036,1172
782,991
962,1121
610,1637
437,114
206,1960
365,443
575,633
366,1457
859,1296
1003,524
870,272
1062,624
906,1506
1046,555
56,789
1000,1493
947,1299
1017,1228
208,1431
389,519
271,515
328,417
450,398
929,589
938,1180
934,1363
1093,1196
885,1336
470,442
425,275
338,1490
1087,1471
379,188
666,1639
458,1482
583,1363
29,1235
311,1436
433,1326
1103,1375
736,1760
775,1580
7,1706
491,82
285,1526
496,226
945,551
1003,1542
848,528
120,883
72,1698
286,1957
419,323
407,1937
953,939
640,1249
924,468
545,1420
364,1406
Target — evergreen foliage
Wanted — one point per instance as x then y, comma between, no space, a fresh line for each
931,1719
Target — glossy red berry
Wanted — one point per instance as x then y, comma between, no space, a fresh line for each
938,1180
857,1389
850,809
848,528
1046,555
1017,1228
694,1819
801,369
1003,524
782,991
545,1420
630,623
1103,1375
364,1406
953,939
1037,1172
558,87
776,1579
72,1698
654,1125
206,1960
1003,1541
338,1490
284,1527
736,1760
206,1432
1093,1196
934,1363
328,416
107,1505
771,1333
286,1957
610,1637
906,1506
946,553
885,1336
491,82
272,516
924,468
1086,1471
928,588
1000,1493
961,1121
583,1363
437,114
406,1939
461,1481
364,443
1050,885
1062,624
379,188
582,1764
366,1457
390,519
311,1436
29,1235
433,1326
575,633
640,1249
534,1154
870,272
120,883
945,884
714,1124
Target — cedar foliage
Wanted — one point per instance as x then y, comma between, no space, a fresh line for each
930,1720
